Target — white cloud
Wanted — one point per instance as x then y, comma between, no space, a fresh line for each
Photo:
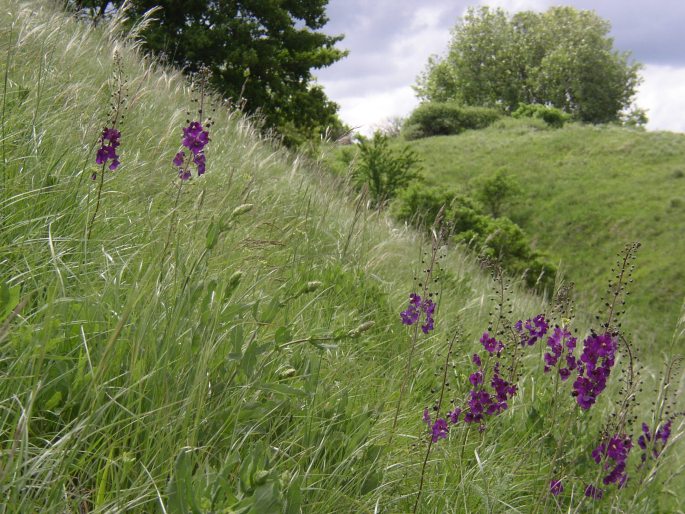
363,112
663,95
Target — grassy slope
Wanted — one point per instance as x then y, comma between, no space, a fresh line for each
130,373
587,190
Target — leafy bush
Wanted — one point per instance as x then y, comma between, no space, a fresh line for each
447,118
419,204
384,170
551,115
495,191
504,240
497,238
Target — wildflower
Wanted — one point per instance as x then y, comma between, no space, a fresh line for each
616,450
593,492
179,158
560,341
109,142
439,430
556,487
454,415
476,378
426,416
535,329
491,344
482,403
503,389
597,360
413,312
195,138
660,438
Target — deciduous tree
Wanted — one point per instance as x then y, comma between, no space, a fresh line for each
262,51
562,57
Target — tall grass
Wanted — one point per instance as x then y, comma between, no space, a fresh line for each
232,366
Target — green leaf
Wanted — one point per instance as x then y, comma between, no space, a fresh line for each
283,389
270,311
267,499
282,336
180,490
213,233
9,298
294,497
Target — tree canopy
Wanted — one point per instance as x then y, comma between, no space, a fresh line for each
262,51
562,57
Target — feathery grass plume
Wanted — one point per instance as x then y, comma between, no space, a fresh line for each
110,138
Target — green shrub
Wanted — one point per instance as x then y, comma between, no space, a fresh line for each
551,115
385,171
497,238
496,191
419,204
447,118
505,241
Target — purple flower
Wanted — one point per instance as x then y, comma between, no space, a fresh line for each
454,415
656,442
413,312
597,360
439,430
476,360
532,329
491,344
426,416
178,159
614,453
592,492
109,142
195,138
476,378
556,487
664,432
200,162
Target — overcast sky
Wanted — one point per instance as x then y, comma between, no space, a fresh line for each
390,42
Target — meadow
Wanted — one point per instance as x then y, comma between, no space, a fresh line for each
232,341
583,189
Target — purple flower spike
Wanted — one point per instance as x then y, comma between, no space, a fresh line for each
556,487
109,142
596,362
614,453
195,138
655,442
417,306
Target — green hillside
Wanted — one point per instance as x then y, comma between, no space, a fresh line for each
233,342
585,188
